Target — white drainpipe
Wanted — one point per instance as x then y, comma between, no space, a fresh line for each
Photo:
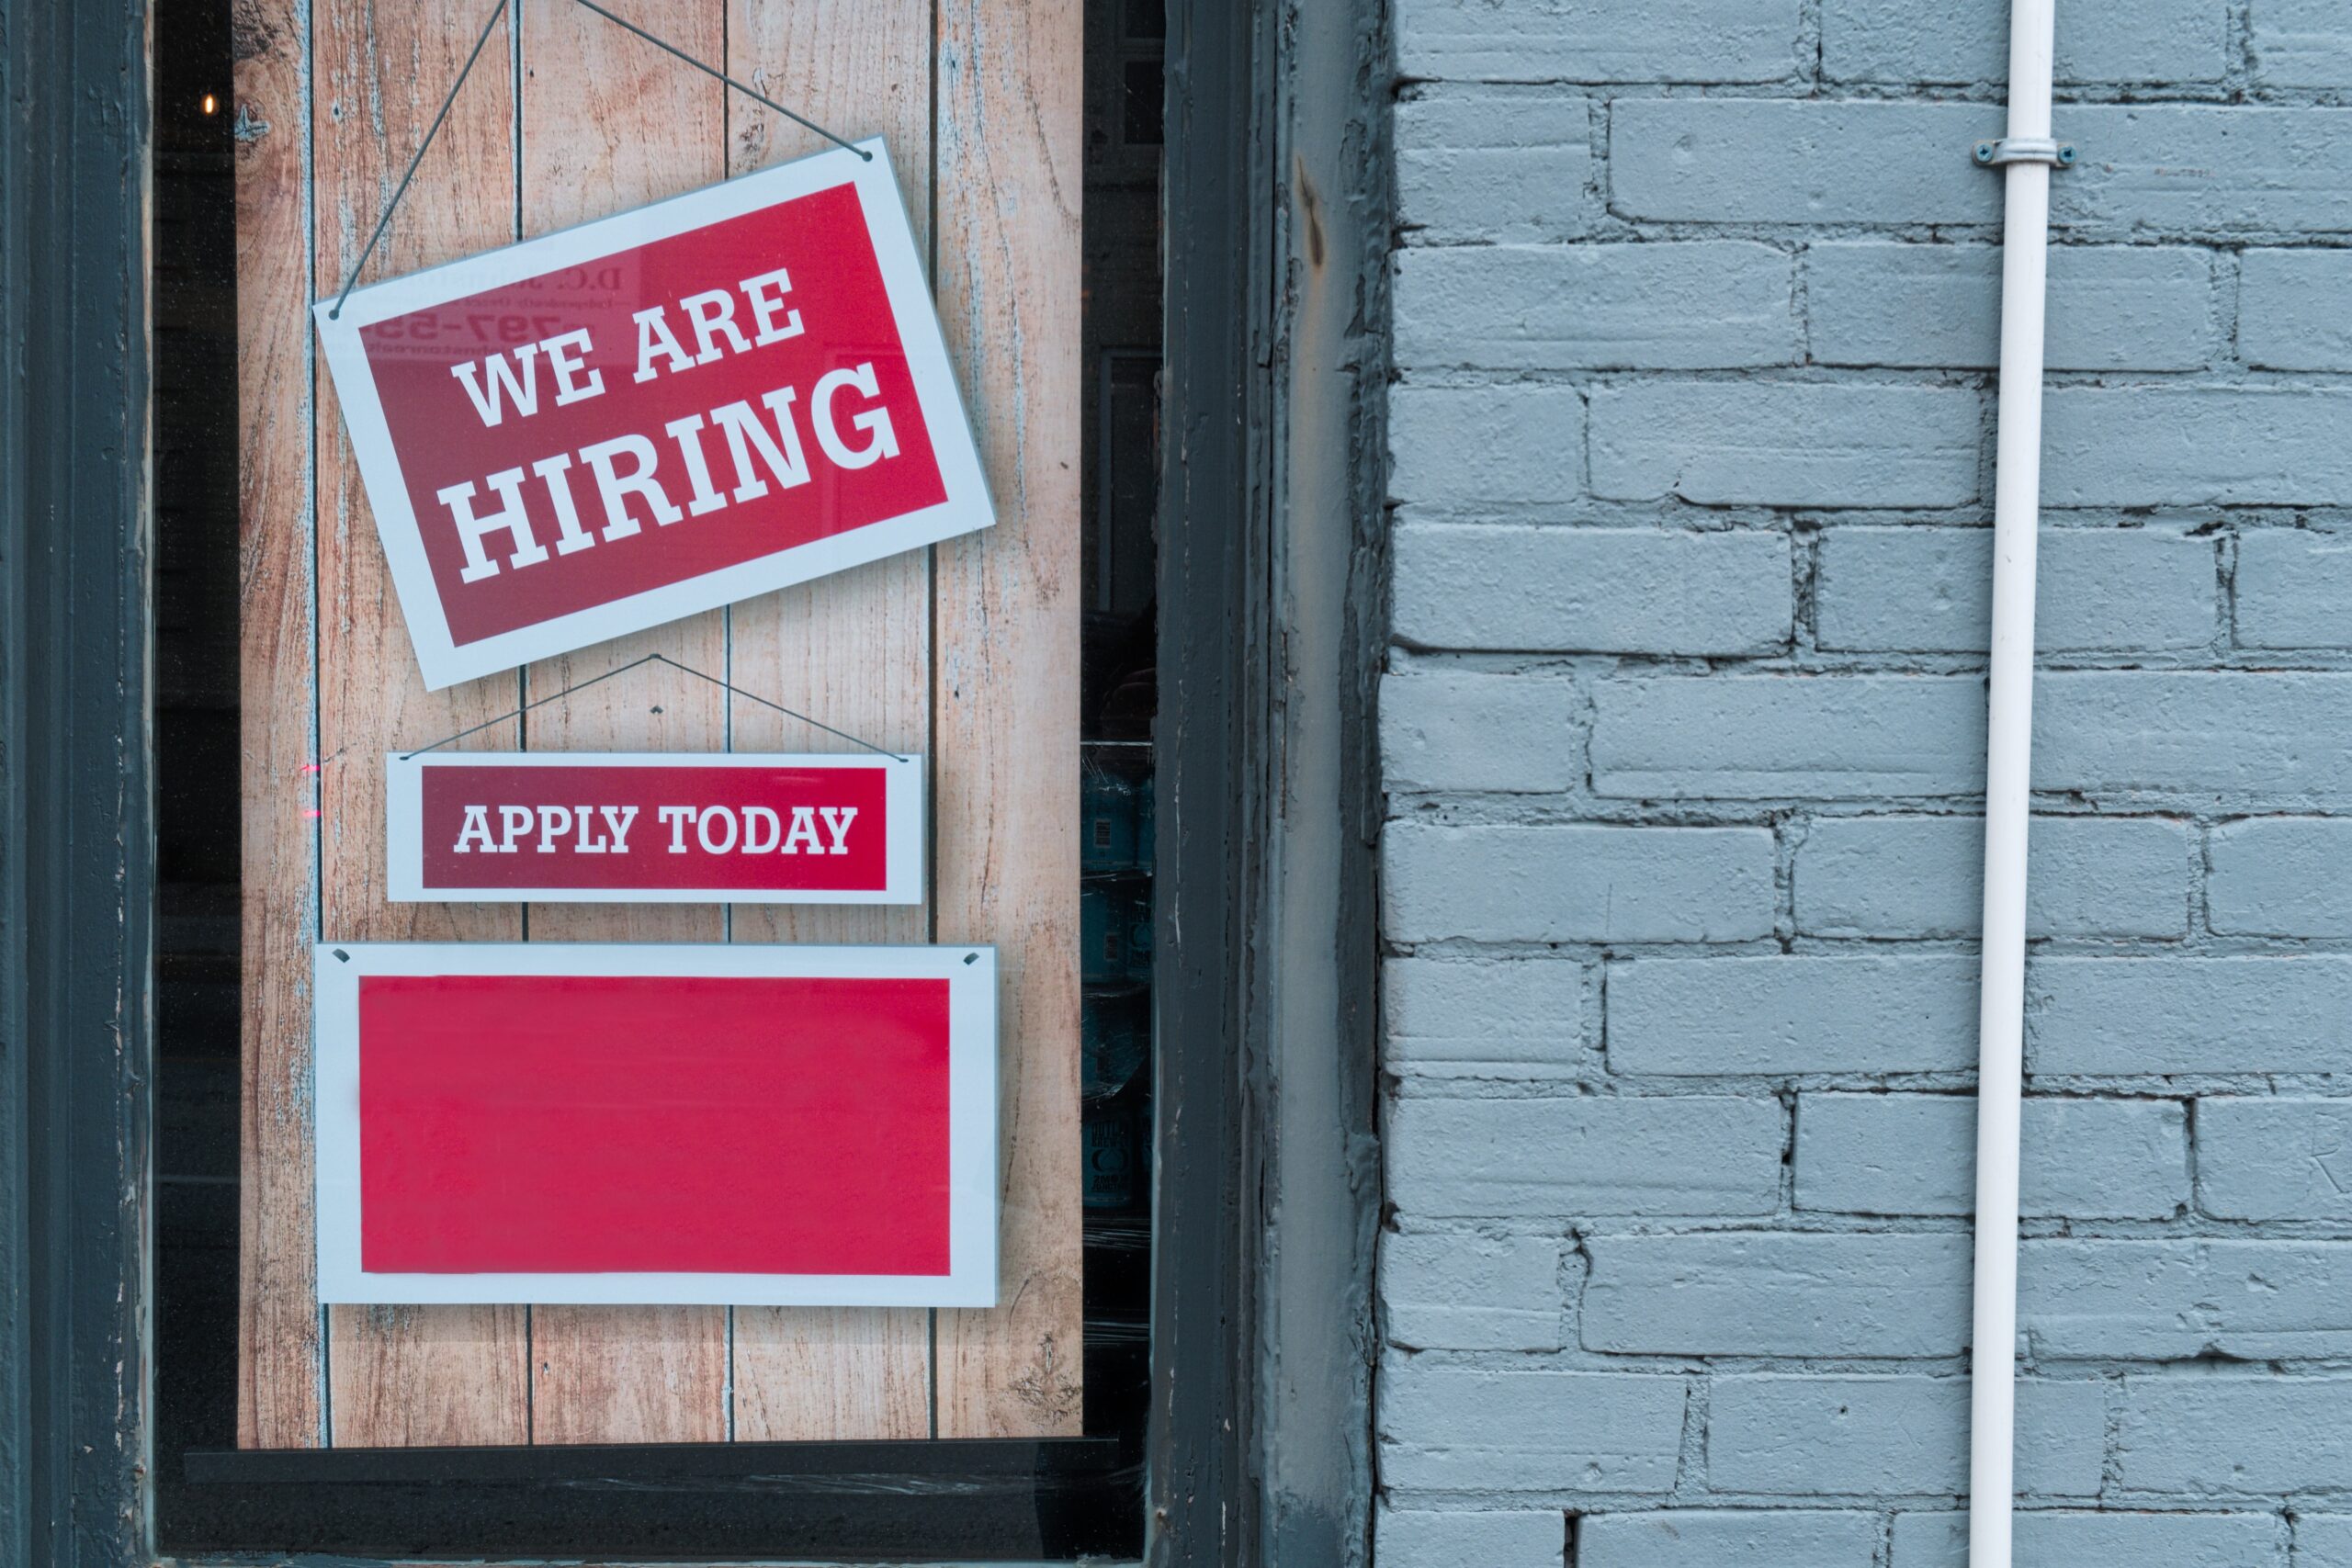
2027,157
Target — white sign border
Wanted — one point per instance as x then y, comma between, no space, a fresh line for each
970,971
966,509
405,882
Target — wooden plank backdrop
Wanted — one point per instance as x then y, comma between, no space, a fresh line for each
968,652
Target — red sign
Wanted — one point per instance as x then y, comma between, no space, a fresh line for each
653,414
570,1122
653,828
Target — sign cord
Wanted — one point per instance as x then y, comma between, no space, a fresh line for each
668,47
401,190
655,658
335,313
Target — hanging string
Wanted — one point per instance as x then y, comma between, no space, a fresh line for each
665,45
682,668
335,312
401,189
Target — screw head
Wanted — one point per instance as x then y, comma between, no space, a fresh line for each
2066,155
1984,151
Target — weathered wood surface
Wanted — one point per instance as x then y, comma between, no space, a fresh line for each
968,652
277,1322
854,650
609,123
1006,681
405,1375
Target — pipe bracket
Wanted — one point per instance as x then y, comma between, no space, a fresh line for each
2025,150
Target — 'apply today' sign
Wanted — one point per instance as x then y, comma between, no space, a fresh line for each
664,828
654,414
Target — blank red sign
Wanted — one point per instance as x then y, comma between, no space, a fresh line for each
576,1123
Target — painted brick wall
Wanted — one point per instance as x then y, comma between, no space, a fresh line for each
1695,303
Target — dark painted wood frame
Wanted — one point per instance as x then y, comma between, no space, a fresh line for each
1271,596
76,795
1271,631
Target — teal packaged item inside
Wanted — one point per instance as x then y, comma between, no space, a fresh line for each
1139,937
1103,927
1113,1148
1106,805
1146,823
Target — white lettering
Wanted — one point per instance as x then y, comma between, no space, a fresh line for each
477,826
617,821
510,516
522,388
875,422
788,465
763,307
804,826
553,820
753,816
702,830
588,843
837,821
551,472
653,336
514,822
613,486
677,817
683,431
566,367
713,313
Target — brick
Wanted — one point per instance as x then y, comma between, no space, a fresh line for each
1468,1428
2280,876
2300,43
1521,1018
1552,590
1775,1294
1924,876
1929,590
1459,730
2099,1540
1786,443
2188,1015
2275,1159
2161,168
1728,1538
1706,303
1916,1153
1577,882
2207,168
1789,1436
1594,40
1473,445
2322,1540
1589,1154
1423,1538
1472,1292
1792,161
2293,588
1801,737
2233,1436
2267,735
1501,164
2114,307
2291,309
2098,40
1792,1013
2179,1300
2178,446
